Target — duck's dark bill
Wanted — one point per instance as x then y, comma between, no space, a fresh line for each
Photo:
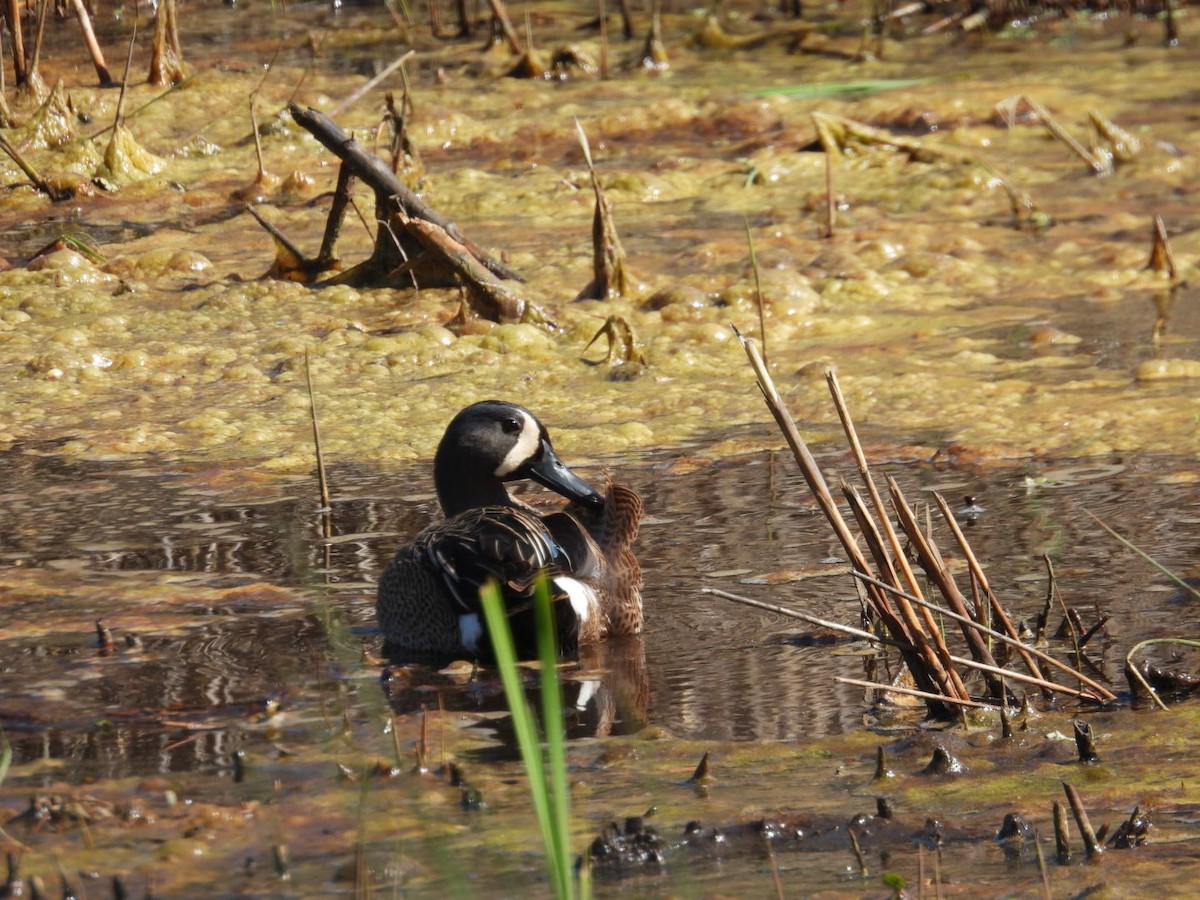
552,472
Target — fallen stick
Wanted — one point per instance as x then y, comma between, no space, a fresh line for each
868,636
999,636
375,173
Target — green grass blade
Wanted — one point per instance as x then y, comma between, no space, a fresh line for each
816,91
585,876
523,722
556,739
1190,588
6,755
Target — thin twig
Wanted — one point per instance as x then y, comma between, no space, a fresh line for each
906,624
1041,859
119,118
931,562
912,692
863,871
935,567
868,636
1097,165
506,26
926,639
258,154
358,94
1130,667
775,879
89,38
1033,651
1191,588
804,458
312,406
35,177
864,473
980,578
1161,256
396,748
603,41
1028,679
804,617
762,315
830,203
37,41
275,233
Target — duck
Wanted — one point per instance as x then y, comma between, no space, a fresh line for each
427,600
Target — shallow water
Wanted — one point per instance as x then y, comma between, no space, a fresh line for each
224,588
156,425
237,673
946,324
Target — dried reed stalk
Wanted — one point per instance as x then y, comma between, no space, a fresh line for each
894,598
869,636
1101,691
920,627
1091,844
937,572
322,479
921,659
894,550
1161,257
979,578
1098,165
908,692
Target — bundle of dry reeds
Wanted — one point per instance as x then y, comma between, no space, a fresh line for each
895,610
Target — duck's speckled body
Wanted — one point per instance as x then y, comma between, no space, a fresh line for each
428,597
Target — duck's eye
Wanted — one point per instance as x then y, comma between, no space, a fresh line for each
511,426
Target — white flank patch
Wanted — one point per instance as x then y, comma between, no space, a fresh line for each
580,596
587,690
523,450
470,630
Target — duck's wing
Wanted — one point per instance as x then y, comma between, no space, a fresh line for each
612,531
502,544
510,546
614,527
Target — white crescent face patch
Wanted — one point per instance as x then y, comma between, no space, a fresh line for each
524,449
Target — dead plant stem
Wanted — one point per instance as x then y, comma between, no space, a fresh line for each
938,573
868,636
1004,638
980,578
820,490
119,118
1092,848
884,559
911,692
1131,668
762,314
357,95
322,481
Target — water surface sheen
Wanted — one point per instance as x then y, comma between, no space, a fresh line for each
233,598
155,441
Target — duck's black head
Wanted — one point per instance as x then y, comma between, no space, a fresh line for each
492,442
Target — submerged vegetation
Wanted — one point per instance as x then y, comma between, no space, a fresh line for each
982,216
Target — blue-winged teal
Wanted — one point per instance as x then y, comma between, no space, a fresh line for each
428,598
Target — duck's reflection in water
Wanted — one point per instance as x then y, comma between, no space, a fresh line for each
606,691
